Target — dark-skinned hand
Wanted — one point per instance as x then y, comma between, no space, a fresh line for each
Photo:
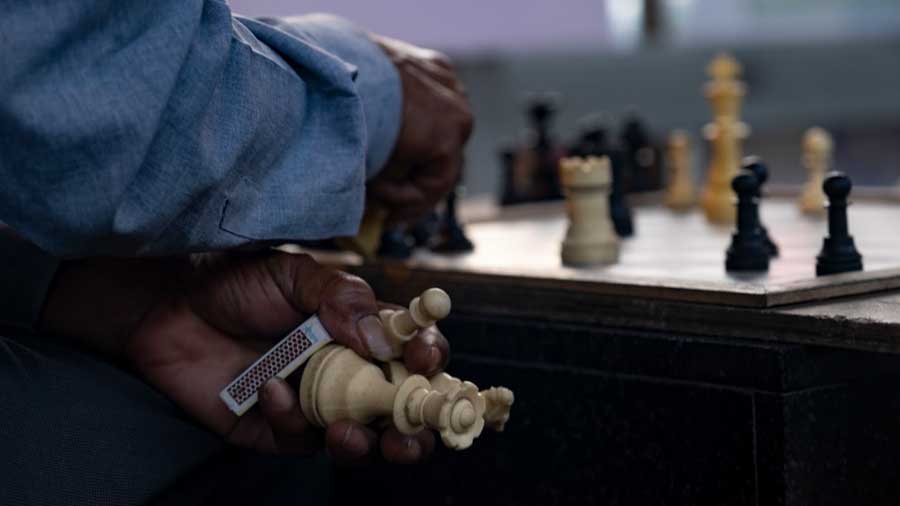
190,326
436,123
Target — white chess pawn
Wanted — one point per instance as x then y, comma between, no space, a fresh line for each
401,325
817,153
680,194
338,384
590,238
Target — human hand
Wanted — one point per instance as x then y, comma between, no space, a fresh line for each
221,315
437,121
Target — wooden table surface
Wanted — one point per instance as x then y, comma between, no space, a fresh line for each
671,277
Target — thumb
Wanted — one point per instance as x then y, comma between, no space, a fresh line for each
345,303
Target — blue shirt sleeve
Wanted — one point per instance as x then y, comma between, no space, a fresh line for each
148,128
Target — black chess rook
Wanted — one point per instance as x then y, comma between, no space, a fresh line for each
747,251
838,252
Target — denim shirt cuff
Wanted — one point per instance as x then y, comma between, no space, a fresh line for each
377,79
27,273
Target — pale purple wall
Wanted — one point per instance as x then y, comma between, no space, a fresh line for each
460,25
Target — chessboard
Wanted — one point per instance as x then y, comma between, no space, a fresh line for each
674,256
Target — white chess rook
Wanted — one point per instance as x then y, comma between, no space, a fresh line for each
590,238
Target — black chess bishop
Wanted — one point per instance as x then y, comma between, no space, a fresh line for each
838,252
747,251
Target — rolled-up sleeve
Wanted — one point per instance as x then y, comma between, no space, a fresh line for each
147,128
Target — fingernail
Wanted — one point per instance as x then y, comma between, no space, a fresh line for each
277,397
266,392
414,448
376,340
434,358
347,432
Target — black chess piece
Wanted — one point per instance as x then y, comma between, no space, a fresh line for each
452,238
542,109
423,231
642,157
512,194
838,252
395,243
594,142
747,251
761,171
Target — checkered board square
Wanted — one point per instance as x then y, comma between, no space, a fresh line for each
283,359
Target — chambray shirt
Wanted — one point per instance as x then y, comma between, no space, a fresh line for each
169,126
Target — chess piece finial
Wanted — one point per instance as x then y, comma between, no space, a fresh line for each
680,190
498,400
725,134
761,171
338,384
838,252
747,251
424,311
590,238
817,155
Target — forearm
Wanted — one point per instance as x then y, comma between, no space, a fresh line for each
195,135
97,303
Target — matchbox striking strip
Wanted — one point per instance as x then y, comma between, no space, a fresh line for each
283,359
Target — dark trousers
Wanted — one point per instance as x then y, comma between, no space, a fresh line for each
75,430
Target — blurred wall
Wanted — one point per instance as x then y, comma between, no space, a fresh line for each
834,63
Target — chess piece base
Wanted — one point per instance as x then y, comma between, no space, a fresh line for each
746,255
585,253
837,257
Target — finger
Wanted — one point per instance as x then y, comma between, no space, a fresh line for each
349,443
427,353
397,193
438,177
291,431
345,303
402,449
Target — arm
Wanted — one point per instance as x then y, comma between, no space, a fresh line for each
161,127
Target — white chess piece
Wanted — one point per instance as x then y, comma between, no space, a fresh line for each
401,325
338,384
590,238
680,194
817,154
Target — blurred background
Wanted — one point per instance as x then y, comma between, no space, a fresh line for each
831,63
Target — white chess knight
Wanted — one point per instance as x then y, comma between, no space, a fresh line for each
590,238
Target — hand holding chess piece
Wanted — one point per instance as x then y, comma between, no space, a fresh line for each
338,384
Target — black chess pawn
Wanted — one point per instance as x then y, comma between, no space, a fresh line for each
423,231
838,252
452,238
747,251
761,171
395,243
